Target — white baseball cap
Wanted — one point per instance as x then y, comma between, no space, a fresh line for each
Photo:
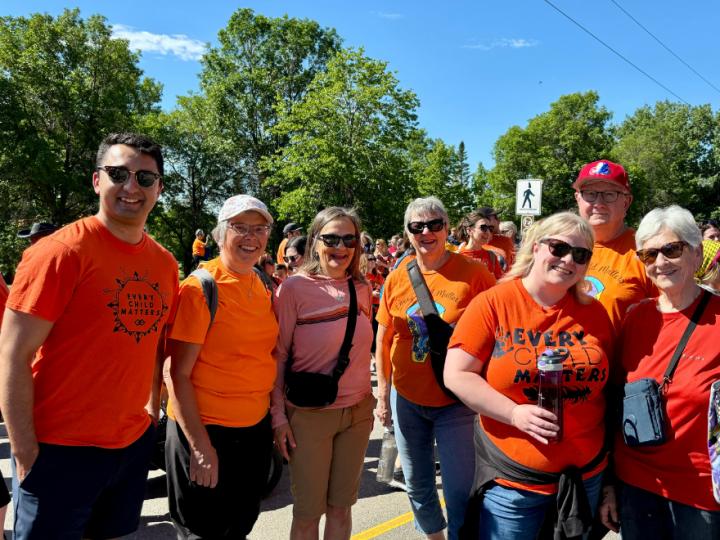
243,203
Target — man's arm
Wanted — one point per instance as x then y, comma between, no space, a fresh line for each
21,336
153,405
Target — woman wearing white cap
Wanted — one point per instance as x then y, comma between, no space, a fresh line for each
219,437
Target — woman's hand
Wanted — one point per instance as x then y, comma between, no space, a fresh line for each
535,421
383,412
608,509
284,439
204,466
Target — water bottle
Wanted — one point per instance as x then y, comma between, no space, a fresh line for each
388,455
550,368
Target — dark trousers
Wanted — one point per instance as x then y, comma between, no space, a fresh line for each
230,509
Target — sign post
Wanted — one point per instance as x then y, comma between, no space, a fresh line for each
528,202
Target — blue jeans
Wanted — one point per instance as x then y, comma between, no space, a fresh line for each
646,515
416,429
516,514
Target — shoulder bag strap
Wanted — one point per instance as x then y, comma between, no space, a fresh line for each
667,378
344,356
210,290
427,306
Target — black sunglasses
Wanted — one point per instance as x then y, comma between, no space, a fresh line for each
434,225
486,228
120,175
290,258
670,251
371,259
558,248
334,240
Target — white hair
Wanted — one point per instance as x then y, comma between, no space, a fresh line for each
675,218
425,206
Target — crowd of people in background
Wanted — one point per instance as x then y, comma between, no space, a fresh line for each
461,321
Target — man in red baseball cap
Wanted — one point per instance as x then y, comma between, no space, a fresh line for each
617,277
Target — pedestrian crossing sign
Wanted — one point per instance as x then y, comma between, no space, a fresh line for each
528,197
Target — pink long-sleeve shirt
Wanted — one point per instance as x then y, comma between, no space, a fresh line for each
312,314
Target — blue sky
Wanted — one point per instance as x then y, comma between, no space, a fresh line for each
478,67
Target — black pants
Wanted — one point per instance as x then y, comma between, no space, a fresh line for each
230,509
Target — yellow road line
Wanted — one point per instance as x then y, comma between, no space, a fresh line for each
388,525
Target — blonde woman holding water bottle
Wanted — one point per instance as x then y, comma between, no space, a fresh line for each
524,463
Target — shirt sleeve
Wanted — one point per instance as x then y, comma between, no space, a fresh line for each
45,280
383,316
475,331
192,315
286,312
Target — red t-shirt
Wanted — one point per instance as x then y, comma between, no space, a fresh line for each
507,330
4,292
109,301
487,257
679,469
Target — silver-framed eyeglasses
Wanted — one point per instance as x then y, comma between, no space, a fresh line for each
243,229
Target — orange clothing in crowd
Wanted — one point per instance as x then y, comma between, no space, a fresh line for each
507,330
281,251
452,286
679,469
198,248
506,244
487,257
235,370
109,301
4,292
376,281
617,277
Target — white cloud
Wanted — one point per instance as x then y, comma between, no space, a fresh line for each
504,43
386,15
178,45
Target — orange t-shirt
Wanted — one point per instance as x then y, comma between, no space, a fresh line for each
376,281
506,244
678,469
109,301
487,257
198,248
281,251
452,286
235,370
506,330
617,277
4,292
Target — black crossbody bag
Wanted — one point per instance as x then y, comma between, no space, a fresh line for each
439,331
643,410
306,389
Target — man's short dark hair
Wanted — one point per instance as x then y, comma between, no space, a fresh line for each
136,140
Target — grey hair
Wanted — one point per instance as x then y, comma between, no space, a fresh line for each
425,206
675,218
218,233
199,232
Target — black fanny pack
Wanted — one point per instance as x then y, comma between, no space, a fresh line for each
306,389
643,408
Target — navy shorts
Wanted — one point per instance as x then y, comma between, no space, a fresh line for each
74,492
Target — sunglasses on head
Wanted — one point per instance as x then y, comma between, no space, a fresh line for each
334,240
486,228
434,225
120,175
558,248
673,250
290,258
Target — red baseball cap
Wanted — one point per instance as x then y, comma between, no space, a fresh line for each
604,170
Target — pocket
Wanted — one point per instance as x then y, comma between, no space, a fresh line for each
30,475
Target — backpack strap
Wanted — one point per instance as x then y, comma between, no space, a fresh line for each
210,290
266,281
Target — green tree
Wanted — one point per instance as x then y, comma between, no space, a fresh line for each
553,147
462,169
347,145
670,151
479,186
64,83
261,65
196,180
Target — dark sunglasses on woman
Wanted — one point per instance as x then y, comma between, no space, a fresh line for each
434,225
486,228
120,175
334,240
290,258
673,250
558,248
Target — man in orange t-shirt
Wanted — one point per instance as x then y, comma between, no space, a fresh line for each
616,276
79,356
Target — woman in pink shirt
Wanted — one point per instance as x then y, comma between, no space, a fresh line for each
324,444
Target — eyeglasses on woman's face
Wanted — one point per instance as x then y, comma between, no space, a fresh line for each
434,225
334,240
558,248
671,250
